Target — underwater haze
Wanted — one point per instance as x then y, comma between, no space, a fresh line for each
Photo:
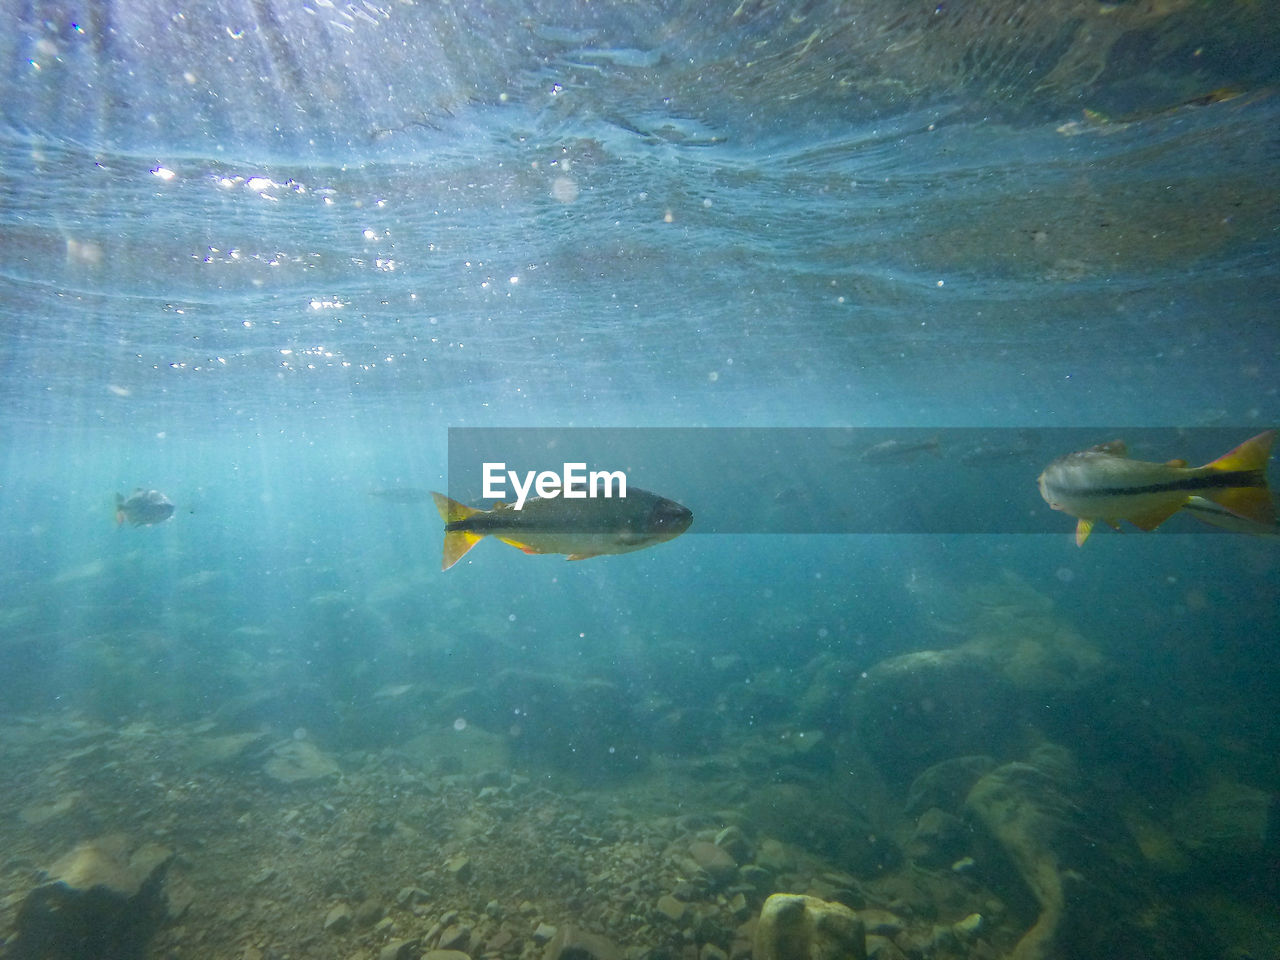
262,257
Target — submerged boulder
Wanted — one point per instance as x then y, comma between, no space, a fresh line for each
797,927
103,899
913,711
1093,901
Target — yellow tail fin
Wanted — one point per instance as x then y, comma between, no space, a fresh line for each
456,542
1251,500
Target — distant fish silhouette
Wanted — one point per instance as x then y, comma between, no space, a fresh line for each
402,494
143,508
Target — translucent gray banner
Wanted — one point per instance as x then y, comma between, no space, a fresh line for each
829,480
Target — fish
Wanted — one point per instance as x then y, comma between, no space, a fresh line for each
1219,516
143,508
579,528
892,450
401,494
992,451
1103,483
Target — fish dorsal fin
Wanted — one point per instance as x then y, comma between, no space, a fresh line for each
1175,463
1115,448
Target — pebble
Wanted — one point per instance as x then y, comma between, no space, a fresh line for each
880,922
968,927
455,937
398,950
338,919
715,861
543,933
459,868
671,908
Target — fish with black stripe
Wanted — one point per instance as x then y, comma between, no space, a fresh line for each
1103,483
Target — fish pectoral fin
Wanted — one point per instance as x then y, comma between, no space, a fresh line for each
1083,529
456,544
1149,521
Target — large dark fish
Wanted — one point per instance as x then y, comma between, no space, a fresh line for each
143,508
579,528
1102,483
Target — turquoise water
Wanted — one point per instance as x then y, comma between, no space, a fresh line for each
262,258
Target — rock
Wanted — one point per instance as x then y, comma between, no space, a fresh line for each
543,933
756,877
734,842
499,941
459,868
1092,902
399,950
296,761
774,856
671,908
945,785
411,895
1227,825
969,927
445,955
710,951
101,901
456,936
580,726
713,860
797,927
368,913
570,943
939,839
338,919
880,922
914,710
821,821
882,948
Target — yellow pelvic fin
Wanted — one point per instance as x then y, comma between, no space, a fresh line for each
456,542
524,547
1251,501
1083,529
